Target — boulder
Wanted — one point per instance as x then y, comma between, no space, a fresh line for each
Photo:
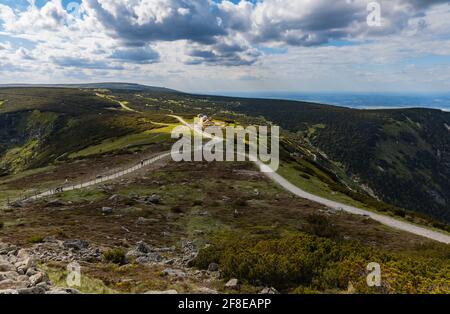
23,254
149,258
38,278
154,199
268,290
143,247
107,210
5,266
174,272
114,197
23,265
213,267
31,271
12,275
33,290
23,279
232,284
12,284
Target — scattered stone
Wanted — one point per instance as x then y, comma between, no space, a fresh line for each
19,274
76,244
66,251
38,278
154,199
17,204
232,284
205,290
174,272
32,290
24,264
63,291
8,275
49,239
162,292
114,197
213,267
12,284
143,221
55,203
269,291
149,258
8,291
107,210
134,196
4,266
143,247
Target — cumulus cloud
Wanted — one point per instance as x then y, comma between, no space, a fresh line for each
51,16
228,51
139,55
137,22
84,63
191,36
311,23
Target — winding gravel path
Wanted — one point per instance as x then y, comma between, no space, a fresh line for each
386,220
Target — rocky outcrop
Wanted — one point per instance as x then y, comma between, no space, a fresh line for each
143,253
66,251
20,275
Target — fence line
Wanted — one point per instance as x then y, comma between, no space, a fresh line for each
97,180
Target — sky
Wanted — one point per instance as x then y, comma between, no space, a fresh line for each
211,46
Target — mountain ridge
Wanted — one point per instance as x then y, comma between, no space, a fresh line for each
101,85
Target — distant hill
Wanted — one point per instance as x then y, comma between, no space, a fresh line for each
106,85
403,155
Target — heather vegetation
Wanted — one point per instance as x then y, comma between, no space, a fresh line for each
299,263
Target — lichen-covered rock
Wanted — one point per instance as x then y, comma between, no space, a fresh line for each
232,284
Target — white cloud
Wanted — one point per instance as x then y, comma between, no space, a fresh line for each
326,44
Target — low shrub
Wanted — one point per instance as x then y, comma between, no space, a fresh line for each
115,256
197,203
301,263
35,239
321,226
241,202
176,210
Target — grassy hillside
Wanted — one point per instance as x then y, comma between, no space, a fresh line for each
402,155
398,157
229,212
39,126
